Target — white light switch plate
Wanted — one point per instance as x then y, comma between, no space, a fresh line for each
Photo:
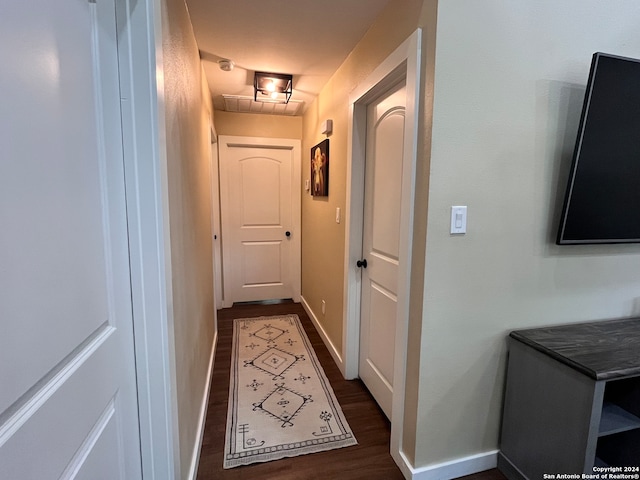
338,215
458,220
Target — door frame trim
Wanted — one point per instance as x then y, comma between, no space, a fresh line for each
140,59
294,145
216,223
405,62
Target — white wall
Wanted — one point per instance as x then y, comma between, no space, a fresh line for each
509,81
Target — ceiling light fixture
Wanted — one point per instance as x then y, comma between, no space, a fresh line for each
272,87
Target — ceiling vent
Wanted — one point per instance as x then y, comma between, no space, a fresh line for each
241,104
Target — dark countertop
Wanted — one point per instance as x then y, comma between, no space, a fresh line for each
602,350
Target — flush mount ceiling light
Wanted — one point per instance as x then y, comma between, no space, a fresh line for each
272,87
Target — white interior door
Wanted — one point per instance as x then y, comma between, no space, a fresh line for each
381,243
260,203
68,401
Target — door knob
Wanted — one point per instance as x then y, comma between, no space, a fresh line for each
287,233
362,263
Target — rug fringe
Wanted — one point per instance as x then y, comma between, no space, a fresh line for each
267,457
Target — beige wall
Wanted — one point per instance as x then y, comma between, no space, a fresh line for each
510,77
258,125
502,93
506,92
187,111
323,240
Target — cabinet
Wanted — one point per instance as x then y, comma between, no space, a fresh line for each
572,399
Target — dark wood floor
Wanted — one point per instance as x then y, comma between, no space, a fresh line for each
370,459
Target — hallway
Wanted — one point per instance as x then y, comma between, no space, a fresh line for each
370,459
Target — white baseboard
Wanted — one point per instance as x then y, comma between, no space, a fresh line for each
197,448
323,335
452,469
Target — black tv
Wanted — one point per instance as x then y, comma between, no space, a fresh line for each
602,199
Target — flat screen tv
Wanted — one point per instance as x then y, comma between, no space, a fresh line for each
602,200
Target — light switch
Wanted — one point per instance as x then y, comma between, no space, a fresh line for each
458,220
337,214
307,186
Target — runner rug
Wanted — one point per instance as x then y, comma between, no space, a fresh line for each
280,401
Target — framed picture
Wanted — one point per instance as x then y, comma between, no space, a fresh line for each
320,169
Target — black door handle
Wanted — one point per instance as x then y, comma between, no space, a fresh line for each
287,233
362,263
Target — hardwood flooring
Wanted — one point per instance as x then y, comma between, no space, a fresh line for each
369,460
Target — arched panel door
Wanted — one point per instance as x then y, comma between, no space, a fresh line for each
381,243
259,189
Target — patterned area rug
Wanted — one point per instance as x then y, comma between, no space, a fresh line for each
280,401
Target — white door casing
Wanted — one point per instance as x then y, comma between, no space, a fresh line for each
68,401
381,243
216,224
404,62
260,209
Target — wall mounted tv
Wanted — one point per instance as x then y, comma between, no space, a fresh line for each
602,200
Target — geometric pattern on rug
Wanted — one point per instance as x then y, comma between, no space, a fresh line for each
283,404
274,362
280,401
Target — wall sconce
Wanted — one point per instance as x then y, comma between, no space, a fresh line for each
272,87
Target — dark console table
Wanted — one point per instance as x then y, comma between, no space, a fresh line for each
572,400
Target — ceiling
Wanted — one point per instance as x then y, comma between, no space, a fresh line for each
306,38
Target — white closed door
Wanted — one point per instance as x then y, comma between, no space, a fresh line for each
260,206
381,243
68,400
